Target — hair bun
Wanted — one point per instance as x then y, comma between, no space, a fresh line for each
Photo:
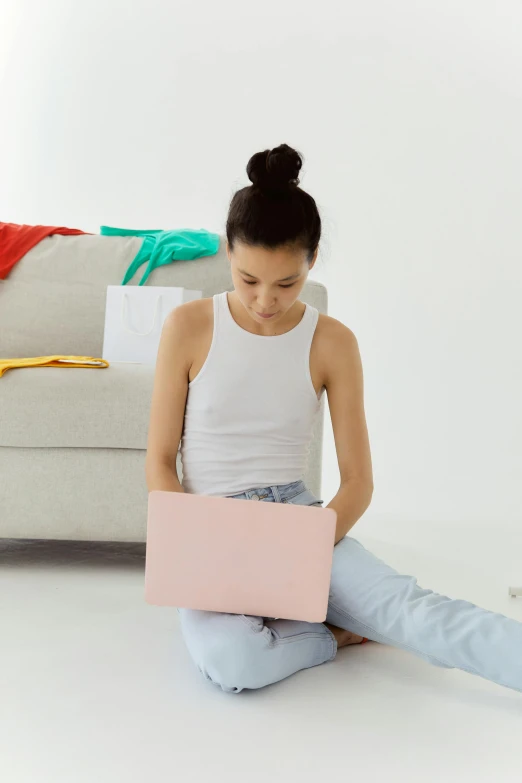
275,170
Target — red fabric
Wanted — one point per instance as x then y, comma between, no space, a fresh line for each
16,240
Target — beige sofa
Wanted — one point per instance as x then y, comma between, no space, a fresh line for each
73,441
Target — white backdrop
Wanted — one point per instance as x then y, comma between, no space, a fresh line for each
409,116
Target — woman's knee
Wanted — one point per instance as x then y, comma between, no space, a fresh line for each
233,665
229,650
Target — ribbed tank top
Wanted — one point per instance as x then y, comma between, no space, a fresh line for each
250,410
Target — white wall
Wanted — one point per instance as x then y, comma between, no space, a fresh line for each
409,116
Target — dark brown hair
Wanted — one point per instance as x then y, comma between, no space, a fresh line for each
274,211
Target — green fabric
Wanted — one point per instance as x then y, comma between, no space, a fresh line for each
163,247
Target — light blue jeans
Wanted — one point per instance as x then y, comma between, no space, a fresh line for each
368,598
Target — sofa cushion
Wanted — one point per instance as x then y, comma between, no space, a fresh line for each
80,407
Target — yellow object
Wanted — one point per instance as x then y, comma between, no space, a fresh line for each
53,361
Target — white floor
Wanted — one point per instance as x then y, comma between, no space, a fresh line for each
96,686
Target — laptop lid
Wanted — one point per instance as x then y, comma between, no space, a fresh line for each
236,556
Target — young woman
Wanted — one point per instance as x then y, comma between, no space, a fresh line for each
239,379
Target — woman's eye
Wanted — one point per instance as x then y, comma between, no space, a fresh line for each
250,282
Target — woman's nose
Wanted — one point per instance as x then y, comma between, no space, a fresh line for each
265,302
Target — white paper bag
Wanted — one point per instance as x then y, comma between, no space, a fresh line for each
134,317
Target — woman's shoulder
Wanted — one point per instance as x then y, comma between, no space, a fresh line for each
333,331
192,322
197,313
333,342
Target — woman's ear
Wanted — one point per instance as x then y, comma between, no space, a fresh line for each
314,259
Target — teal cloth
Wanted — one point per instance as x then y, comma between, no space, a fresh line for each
163,247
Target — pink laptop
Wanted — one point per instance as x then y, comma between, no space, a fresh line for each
236,556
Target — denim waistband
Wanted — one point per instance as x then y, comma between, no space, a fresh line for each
279,493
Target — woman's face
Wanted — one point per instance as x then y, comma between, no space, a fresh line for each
268,281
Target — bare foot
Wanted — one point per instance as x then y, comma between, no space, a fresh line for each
344,638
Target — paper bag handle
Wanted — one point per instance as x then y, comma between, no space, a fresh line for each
131,331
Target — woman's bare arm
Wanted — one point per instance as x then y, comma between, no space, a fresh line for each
169,397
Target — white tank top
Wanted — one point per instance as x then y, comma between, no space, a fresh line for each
250,411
